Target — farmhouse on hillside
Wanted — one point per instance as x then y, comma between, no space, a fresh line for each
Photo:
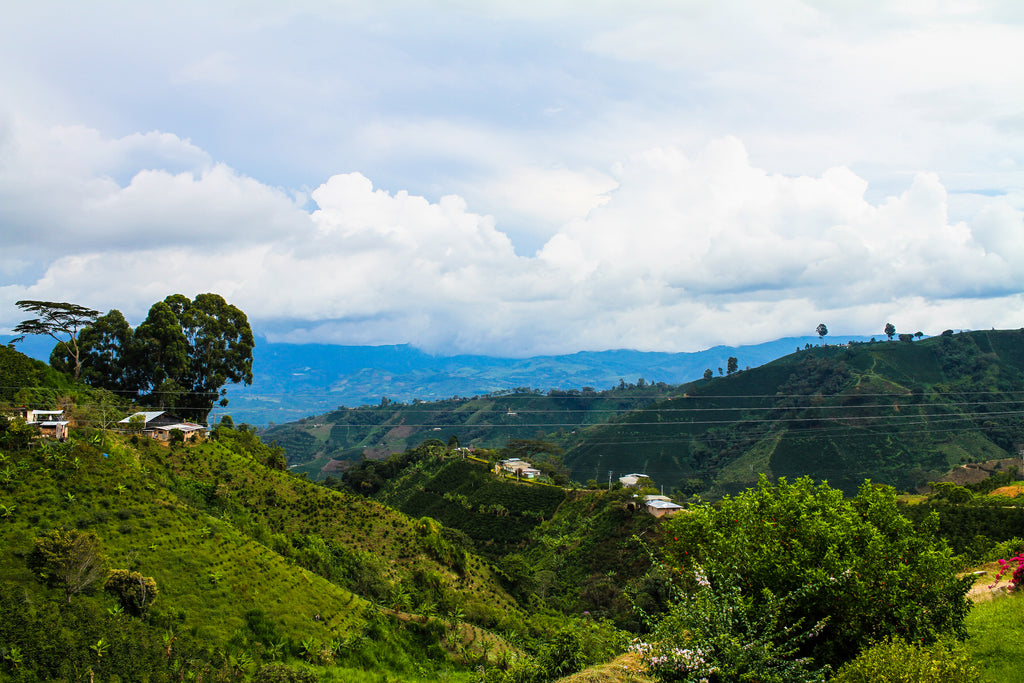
630,480
159,425
661,506
49,422
520,468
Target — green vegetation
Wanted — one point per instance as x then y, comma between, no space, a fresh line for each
996,641
854,569
900,414
180,357
128,559
316,445
897,661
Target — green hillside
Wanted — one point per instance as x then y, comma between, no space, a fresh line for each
572,551
318,445
900,413
253,567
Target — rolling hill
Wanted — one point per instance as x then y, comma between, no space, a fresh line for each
899,413
292,381
253,565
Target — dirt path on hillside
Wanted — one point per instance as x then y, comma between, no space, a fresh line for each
985,576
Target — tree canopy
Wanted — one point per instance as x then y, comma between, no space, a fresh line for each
179,357
61,320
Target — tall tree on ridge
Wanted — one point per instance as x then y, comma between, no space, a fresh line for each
62,321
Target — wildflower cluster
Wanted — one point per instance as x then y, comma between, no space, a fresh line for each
689,664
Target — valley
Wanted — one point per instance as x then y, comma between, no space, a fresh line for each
420,559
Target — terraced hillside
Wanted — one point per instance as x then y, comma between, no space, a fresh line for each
319,446
900,413
252,566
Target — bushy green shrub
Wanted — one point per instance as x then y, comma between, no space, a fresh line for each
71,560
878,575
282,673
134,591
712,633
896,661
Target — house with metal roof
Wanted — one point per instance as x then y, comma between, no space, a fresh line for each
160,424
661,506
49,422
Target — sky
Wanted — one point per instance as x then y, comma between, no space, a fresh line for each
519,178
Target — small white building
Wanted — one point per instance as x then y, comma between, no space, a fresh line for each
520,468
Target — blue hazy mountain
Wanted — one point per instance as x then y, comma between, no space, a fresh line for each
292,381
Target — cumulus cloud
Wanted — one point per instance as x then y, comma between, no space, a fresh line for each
679,251
68,189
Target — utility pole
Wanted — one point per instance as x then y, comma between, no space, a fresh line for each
609,480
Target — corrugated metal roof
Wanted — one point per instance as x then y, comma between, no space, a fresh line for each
147,416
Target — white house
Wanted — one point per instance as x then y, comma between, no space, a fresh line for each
49,422
521,468
661,506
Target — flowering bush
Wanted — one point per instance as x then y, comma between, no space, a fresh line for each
1017,578
713,634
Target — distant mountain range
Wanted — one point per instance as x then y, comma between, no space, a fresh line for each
901,413
292,381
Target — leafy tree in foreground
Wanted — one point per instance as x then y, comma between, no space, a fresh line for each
879,575
60,320
713,633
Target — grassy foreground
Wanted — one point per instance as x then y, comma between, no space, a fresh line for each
996,640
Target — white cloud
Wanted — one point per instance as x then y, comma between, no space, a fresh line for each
684,252
666,176
65,190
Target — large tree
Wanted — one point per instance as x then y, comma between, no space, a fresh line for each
62,321
108,354
822,330
202,345
179,357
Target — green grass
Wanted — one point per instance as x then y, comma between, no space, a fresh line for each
996,640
